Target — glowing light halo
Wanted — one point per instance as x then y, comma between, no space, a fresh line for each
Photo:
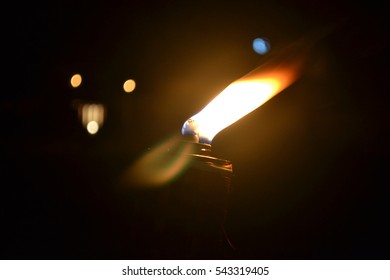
158,166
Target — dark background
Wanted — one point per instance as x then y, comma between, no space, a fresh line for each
311,165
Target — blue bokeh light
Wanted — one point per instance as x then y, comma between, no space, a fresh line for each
260,45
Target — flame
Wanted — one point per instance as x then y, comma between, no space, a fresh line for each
240,98
251,91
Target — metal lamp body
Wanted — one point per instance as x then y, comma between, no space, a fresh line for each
195,208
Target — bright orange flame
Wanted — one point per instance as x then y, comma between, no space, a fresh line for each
240,98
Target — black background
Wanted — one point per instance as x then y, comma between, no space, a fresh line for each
311,165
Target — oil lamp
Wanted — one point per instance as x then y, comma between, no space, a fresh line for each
198,200
197,184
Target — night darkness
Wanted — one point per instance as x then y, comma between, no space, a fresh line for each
311,170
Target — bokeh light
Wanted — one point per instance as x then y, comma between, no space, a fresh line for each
76,80
261,45
129,86
92,127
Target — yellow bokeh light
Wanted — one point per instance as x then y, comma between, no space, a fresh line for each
76,80
92,127
129,86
